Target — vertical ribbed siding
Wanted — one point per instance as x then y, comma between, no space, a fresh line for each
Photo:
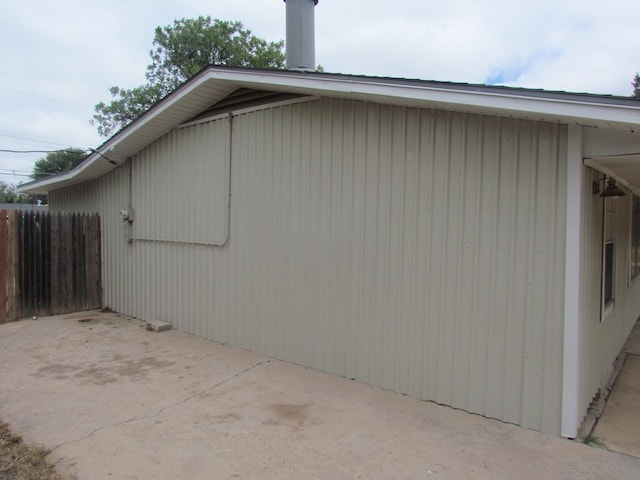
416,250
601,340
180,185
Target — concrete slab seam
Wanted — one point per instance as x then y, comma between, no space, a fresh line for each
163,409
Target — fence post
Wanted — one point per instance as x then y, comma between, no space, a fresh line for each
54,237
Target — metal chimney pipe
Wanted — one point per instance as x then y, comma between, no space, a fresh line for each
300,41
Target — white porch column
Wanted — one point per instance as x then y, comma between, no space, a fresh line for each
571,371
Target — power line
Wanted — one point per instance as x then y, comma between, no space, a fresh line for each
43,151
85,152
31,139
11,170
46,98
14,174
36,143
112,162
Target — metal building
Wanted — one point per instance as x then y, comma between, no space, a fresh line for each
440,240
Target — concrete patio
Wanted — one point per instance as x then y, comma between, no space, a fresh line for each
113,400
618,428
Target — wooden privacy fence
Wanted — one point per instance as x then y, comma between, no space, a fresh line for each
49,263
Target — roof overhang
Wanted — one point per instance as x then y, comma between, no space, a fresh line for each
215,83
614,154
625,169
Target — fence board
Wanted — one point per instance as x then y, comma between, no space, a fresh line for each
22,280
68,225
12,269
49,264
4,252
54,252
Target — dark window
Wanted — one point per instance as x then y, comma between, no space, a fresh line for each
608,272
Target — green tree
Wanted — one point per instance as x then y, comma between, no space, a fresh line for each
57,162
636,85
179,52
8,193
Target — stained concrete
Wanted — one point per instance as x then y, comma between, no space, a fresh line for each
112,400
618,428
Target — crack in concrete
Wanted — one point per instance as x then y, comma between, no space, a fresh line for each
163,409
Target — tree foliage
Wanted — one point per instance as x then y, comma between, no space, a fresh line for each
636,85
179,52
126,106
57,162
8,193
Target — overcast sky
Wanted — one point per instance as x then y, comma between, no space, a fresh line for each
59,57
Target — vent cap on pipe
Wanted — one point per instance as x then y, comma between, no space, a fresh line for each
300,40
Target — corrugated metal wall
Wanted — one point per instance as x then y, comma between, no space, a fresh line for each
194,160
601,339
421,251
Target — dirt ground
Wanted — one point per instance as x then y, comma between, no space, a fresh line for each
112,400
23,462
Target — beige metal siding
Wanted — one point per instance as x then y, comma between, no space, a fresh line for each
417,250
601,339
180,185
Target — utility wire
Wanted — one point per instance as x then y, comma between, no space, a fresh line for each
56,100
42,151
13,170
112,162
30,137
21,173
88,150
13,174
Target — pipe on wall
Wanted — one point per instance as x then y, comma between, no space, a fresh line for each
133,238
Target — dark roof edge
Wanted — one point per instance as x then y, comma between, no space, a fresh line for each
444,85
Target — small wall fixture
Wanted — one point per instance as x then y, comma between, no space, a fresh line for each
612,189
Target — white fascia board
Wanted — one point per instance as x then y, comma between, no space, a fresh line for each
155,112
41,186
526,106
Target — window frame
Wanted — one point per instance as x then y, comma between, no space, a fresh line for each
634,240
608,262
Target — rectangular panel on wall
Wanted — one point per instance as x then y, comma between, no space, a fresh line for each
180,185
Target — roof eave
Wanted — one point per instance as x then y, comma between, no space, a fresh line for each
214,83
569,108
153,124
